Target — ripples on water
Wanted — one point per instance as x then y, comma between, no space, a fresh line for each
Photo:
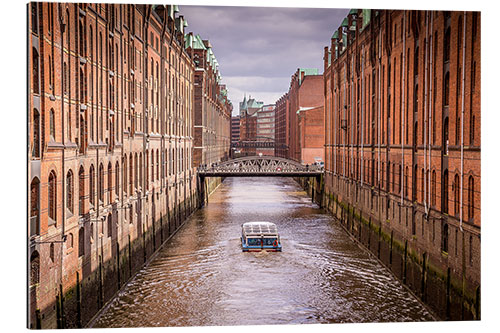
201,277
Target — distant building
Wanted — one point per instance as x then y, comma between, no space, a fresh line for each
305,94
265,129
248,122
281,127
311,134
235,132
212,109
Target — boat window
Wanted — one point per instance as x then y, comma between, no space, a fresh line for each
253,241
269,241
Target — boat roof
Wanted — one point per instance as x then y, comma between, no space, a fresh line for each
260,228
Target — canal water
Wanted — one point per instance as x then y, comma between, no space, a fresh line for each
202,278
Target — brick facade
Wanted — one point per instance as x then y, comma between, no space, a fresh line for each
306,91
212,109
399,88
110,114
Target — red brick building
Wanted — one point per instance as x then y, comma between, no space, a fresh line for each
306,91
110,119
311,134
212,109
282,128
248,123
402,105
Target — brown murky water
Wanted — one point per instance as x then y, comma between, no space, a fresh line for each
201,277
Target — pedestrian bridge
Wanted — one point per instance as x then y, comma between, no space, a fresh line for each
260,166
255,166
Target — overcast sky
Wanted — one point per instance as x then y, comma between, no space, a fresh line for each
259,48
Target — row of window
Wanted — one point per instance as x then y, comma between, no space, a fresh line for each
132,176
396,133
390,180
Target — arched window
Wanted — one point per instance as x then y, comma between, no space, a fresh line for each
447,39
444,237
131,174
165,154
81,45
446,89
415,183
35,71
170,162
82,141
124,175
100,182
34,17
110,183
146,170
136,167
52,197
92,185
117,179
69,191
36,134
81,241
433,188
140,169
52,124
456,191
110,225
445,192
35,207
422,191
157,166
70,241
471,198
152,166
446,139
82,87
81,191
406,182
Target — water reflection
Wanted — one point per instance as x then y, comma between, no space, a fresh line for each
201,277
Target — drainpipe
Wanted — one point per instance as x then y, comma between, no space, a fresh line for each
362,118
403,107
334,131
462,125
425,110
352,118
379,108
430,102
63,182
343,118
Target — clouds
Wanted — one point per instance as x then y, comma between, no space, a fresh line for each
259,48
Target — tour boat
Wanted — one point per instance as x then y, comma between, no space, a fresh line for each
260,236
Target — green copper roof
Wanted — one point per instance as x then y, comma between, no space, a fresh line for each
188,41
345,23
335,34
353,11
198,43
309,71
366,18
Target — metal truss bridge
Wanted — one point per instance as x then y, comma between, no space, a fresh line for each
260,166
257,166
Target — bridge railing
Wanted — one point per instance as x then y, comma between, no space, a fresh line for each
260,166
